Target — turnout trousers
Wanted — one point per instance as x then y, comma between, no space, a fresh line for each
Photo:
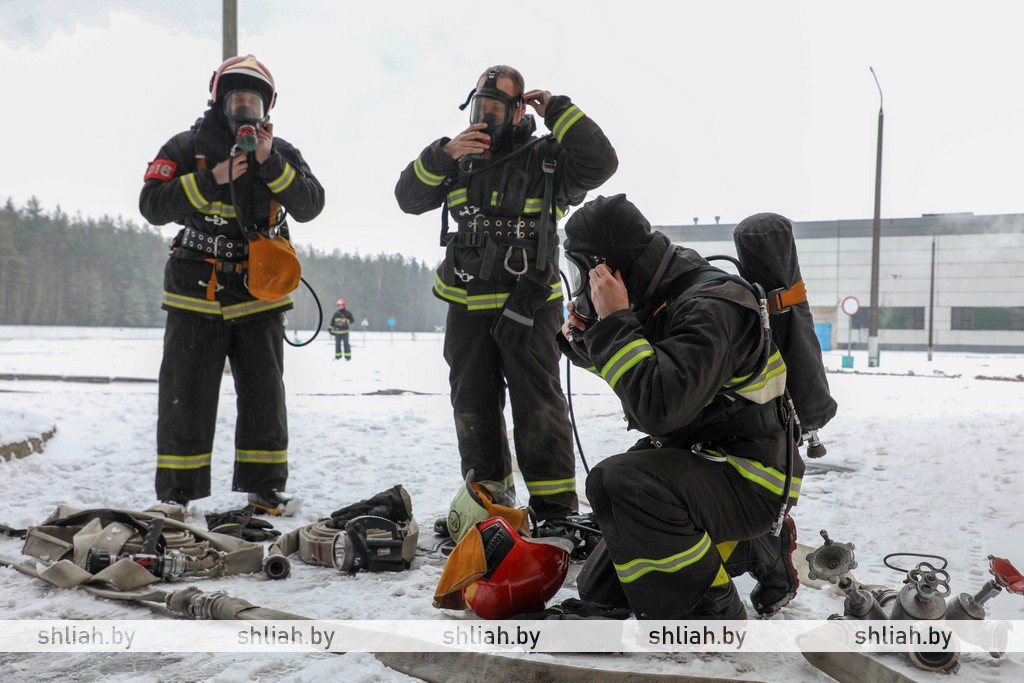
479,371
195,349
341,341
661,512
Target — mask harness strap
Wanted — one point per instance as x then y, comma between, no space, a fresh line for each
548,150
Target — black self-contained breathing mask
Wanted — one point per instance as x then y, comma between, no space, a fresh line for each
579,265
245,115
490,105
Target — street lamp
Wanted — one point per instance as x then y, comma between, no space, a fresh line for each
876,234
229,17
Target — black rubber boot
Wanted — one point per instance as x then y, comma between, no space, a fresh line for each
720,602
773,568
271,503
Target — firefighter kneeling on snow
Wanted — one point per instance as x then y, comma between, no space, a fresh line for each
683,347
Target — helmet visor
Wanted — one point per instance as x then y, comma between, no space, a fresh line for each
490,110
245,105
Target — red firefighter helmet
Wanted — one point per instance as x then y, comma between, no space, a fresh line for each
341,303
522,573
244,72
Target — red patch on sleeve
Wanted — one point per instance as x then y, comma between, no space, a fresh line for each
161,169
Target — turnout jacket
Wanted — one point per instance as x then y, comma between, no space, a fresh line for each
671,363
340,321
509,186
179,188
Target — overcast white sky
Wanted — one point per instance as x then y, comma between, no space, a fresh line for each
715,108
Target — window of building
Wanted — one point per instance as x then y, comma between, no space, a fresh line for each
891,318
987,318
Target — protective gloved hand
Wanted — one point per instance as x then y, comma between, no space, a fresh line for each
393,504
241,524
514,325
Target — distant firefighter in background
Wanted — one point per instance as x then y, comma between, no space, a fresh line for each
340,322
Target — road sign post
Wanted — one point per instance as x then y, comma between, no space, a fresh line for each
850,306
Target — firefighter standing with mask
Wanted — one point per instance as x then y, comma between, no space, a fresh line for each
339,327
504,189
226,177
694,502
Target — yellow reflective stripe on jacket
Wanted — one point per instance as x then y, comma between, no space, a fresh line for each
565,121
201,203
454,294
481,302
551,487
262,457
188,303
195,197
183,462
534,205
281,183
769,384
425,176
764,476
477,302
255,306
628,356
457,197
485,302
634,569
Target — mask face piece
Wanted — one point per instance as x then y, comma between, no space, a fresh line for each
244,112
493,106
244,105
492,111
578,267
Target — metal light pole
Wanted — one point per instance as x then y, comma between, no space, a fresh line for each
876,234
230,20
931,305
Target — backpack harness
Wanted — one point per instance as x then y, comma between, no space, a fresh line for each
509,233
767,411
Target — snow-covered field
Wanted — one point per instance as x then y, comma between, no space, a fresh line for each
933,452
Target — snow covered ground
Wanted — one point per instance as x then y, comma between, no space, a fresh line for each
933,452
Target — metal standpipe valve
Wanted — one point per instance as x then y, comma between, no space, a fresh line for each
859,603
923,598
967,607
831,561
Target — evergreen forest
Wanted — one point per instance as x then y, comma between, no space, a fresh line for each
59,270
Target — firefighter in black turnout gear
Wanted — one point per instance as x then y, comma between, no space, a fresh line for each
505,189
225,177
339,328
683,346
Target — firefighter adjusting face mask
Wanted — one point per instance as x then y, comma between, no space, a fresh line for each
578,267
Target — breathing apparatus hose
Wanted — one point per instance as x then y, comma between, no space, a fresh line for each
234,202
320,320
568,392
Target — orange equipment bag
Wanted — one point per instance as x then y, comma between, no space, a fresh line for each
274,268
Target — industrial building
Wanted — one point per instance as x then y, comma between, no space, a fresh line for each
947,282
